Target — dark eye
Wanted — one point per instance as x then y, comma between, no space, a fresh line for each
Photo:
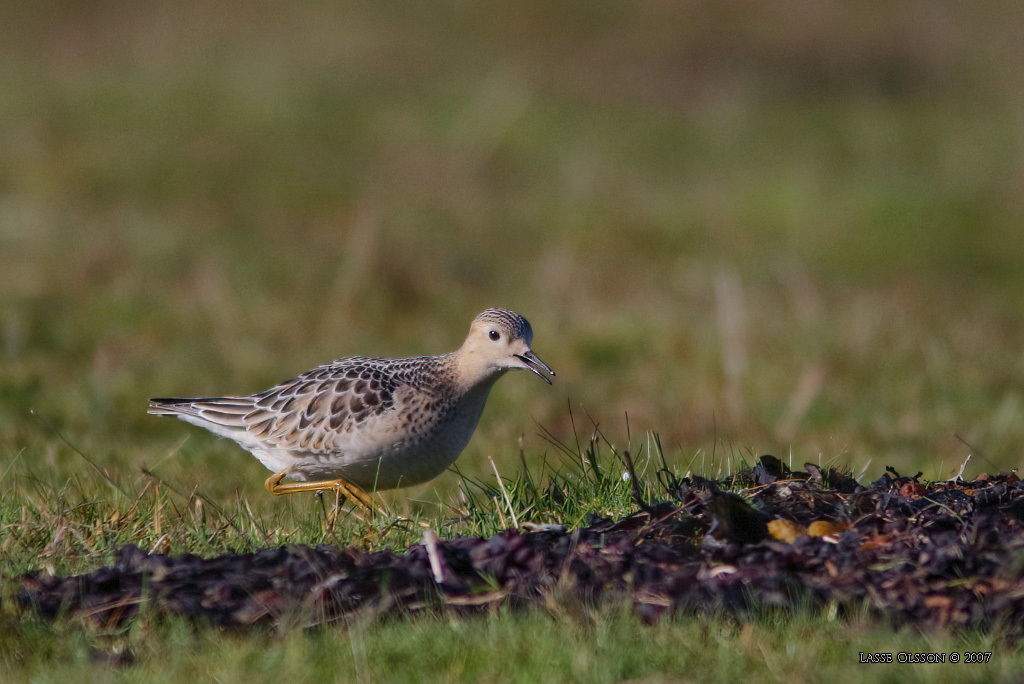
494,335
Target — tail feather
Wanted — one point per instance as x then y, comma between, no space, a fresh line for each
222,415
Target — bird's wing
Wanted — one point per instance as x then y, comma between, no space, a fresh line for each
312,411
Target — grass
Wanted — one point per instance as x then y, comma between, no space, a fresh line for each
65,528
749,230
76,528
521,648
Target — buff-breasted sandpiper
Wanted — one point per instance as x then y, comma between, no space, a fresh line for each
363,424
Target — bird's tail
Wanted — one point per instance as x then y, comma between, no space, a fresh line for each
222,415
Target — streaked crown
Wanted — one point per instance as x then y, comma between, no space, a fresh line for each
515,325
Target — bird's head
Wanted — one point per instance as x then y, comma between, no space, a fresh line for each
499,340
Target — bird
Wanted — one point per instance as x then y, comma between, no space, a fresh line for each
364,424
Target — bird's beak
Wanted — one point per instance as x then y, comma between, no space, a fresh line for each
536,365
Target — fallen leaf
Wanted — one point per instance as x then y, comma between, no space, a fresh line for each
820,528
786,530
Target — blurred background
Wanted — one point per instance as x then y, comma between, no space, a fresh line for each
750,229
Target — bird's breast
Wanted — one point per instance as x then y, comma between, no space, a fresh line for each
412,444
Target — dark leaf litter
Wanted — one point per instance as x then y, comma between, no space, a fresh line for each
930,554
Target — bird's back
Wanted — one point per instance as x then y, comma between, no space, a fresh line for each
353,413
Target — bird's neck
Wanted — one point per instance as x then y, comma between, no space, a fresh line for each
472,373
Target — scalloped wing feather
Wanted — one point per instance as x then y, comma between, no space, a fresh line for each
312,412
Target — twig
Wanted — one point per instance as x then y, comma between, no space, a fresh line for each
434,555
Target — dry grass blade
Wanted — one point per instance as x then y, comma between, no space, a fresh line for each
213,506
504,493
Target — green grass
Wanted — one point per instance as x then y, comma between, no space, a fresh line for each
76,527
748,230
567,646
71,526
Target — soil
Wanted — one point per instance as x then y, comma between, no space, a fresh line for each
933,554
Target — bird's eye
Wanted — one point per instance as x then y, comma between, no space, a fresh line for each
494,335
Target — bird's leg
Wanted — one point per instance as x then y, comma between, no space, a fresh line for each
333,515
340,486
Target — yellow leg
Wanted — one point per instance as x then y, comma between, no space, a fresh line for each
341,488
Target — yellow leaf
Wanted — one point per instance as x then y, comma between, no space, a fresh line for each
786,530
820,528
